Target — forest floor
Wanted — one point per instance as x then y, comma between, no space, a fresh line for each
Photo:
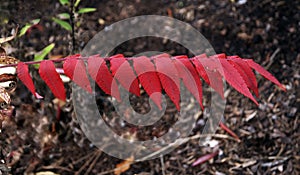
38,139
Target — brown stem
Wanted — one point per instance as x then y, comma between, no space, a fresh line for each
73,27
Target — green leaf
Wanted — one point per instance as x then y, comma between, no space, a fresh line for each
27,26
62,23
42,54
35,21
86,10
78,24
64,16
24,30
64,2
77,3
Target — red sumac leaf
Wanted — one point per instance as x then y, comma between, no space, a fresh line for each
75,70
123,72
163,55
211,68
148,78
24,76
100,73
205,158
200,69
189,76
246,72
52,79
233,77
229,131
169,78
181,57
264,73
73,56
117,56
220,56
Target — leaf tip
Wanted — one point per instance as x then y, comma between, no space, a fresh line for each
38,96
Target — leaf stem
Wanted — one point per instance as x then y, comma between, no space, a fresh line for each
64,59
33,62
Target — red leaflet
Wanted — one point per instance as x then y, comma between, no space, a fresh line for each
100,73
163,55
123,72
169,78
233,77
205,158
73,56
220,56
200,69
117,56
264,73
181,57
75,70
189,76
211,67
23,74
229,131
52,79
148,78
246,73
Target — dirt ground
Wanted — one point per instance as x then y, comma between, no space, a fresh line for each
38,138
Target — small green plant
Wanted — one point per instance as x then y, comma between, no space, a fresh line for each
74,12
67,20
28,26
42,54
62,23
62,19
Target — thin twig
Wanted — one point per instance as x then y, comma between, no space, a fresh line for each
57,167
162,165
272,58
98,154
179,142
82,158
85,164
72,9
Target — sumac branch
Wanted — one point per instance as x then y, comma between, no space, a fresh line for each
164,72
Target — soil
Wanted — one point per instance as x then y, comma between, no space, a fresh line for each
40,137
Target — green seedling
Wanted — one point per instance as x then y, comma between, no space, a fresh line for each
42,54
66,16
28,26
